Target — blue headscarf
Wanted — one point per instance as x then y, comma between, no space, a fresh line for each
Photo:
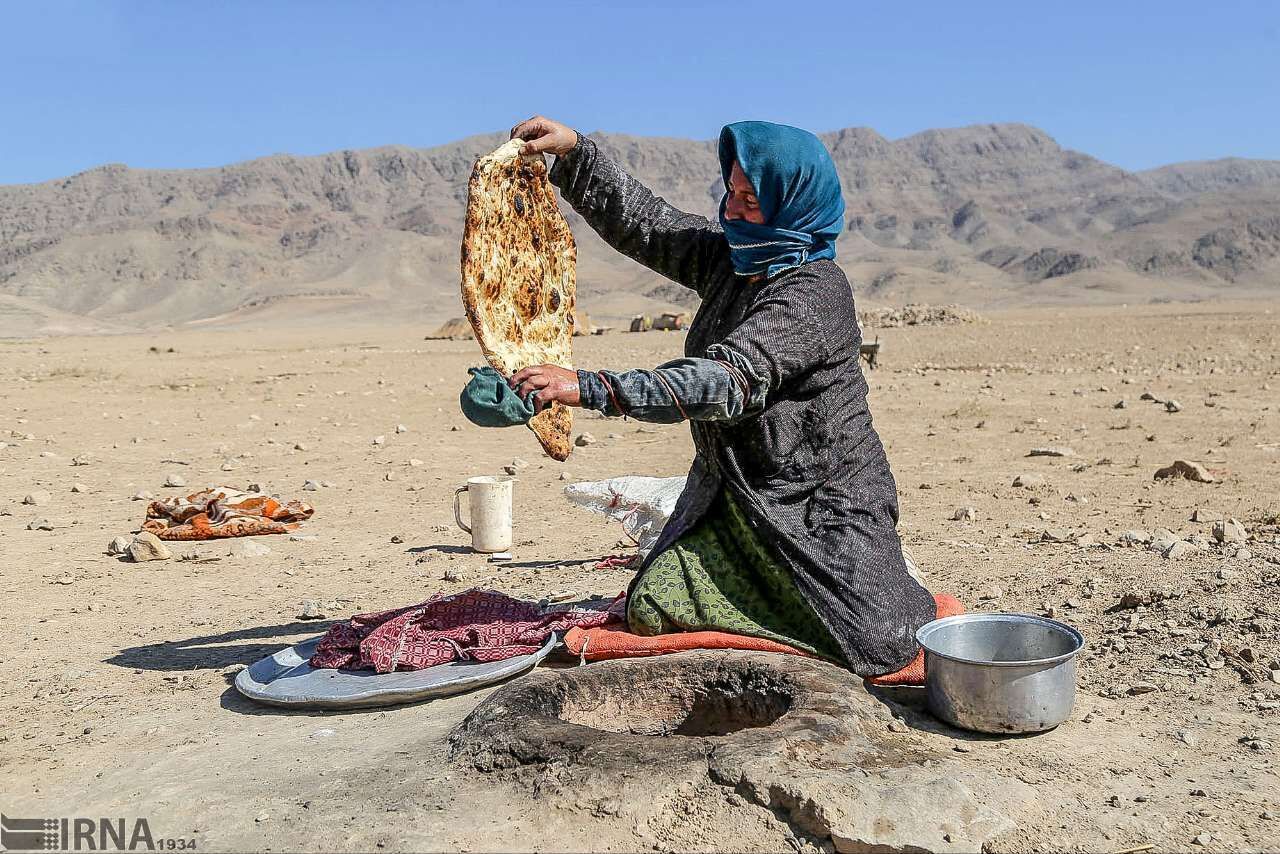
799,193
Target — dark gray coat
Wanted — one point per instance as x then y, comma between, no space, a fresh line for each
778,409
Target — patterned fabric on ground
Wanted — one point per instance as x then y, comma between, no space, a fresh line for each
609,642
720,577
913,673
474,625
220,512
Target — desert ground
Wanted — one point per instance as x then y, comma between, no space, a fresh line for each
118,697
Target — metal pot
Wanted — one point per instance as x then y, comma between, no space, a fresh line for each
1000,673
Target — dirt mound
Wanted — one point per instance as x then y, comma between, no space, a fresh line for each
918,314
455,329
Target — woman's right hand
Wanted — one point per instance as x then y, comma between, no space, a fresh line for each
544,136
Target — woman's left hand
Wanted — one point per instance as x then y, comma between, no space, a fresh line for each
551,382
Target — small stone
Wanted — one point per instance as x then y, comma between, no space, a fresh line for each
1190,739
147,546
38,498
584,439
390,476
1202,839
1172,406
1056,535
65,578
1029,480
1051,452
174,479
1243,554
1185,469
1177,549
564,475
1201,514
615,435
311,610
1225,574
1119,404
82,460
119,545
451,576
227,465
989,593
1135,537
896,725
40,525
964,514
310,486
397,539
1138,688
400,428
379,440
254,487
1230,531
416,463
248,548
262,816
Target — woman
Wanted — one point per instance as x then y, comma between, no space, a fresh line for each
786,529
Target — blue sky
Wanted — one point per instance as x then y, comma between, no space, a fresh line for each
182,84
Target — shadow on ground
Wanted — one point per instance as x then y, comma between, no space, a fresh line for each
214,652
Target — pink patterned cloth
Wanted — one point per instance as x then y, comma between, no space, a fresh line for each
474,625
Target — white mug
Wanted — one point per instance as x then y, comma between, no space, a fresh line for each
490,500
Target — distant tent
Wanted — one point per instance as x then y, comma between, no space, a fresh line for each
582,323
641,323
457,329
671,320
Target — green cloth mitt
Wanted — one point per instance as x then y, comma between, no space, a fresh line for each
489,402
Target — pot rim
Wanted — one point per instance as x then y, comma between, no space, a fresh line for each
925,631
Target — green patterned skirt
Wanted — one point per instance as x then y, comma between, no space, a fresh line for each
720,577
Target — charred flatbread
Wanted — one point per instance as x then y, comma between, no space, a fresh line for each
518,276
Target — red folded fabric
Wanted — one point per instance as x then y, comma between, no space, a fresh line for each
615,641
607,642
913,673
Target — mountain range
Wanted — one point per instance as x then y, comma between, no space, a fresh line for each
989,216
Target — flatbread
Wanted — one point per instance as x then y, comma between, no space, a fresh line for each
518,276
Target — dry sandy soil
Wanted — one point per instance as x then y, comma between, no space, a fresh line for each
118,701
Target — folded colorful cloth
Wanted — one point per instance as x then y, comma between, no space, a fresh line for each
607,642
474,625
913,673
220,512
488,401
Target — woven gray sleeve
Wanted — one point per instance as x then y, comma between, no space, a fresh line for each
679,390
683,247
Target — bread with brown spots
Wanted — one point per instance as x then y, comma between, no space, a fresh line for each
518,276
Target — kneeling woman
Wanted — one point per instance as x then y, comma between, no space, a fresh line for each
786,529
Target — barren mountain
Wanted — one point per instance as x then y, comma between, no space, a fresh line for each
986,215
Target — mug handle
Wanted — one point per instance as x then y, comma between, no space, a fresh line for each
457,508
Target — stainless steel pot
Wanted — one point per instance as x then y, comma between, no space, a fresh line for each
1000,673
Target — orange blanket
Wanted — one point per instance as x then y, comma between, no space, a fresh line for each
607,642
220,512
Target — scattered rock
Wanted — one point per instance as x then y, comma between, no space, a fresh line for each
1142,688
1057,535
991,592
564,475
1190,739
400,428
147,546
1119,404
142,496
311,610
119,545
248,548
452,576
1177,549
1203,515
584,439
615,436
310,486
379,440
174,480
82,460
1172,406
1185,469
416,463
79,487
1230,531
1202,839
397,539
1029,480
38,498
964,514
40,525
1051,452
1135,537
1243,554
